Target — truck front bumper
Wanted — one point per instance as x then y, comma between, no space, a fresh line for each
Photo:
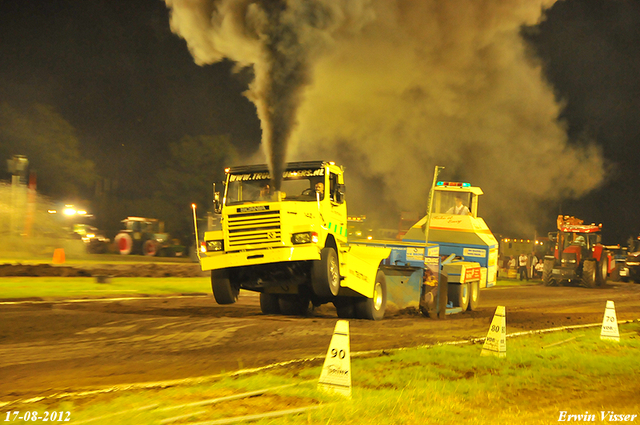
222,260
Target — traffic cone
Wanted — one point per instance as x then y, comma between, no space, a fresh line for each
58,256
609,329
336,371
496,342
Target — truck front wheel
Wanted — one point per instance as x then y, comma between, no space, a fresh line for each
325,278
374,308
223,290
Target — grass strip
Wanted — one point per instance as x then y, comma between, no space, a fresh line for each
543,375
87,287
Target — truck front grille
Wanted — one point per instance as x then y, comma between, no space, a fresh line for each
257,229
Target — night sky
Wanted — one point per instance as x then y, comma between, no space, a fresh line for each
129,86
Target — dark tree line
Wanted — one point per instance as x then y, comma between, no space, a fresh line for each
64,174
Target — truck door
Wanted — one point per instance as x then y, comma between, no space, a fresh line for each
338,206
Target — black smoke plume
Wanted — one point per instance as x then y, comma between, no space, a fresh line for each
279,39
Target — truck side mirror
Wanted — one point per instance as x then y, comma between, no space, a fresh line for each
217,205
553,236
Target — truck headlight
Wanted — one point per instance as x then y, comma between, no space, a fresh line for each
217,245
305,237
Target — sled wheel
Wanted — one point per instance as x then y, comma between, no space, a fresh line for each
459,295
474,296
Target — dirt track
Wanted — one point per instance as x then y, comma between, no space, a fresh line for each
48,347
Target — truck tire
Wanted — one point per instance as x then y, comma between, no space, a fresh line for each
223,290
124,243
269,303
459,295
589,273
374,308
474,296
150,248
325,277
603,270
345,307
547,272
294,304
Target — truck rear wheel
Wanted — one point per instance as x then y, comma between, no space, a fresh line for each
547,271
374,308
589,273
294,304
223,290
459,295
269,303
345,307
474,296
325,278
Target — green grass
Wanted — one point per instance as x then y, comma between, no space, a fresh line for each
82,287
443,384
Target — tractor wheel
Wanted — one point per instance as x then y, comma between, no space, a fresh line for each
269,303
459,295
474,296
325,278
294,304
124,243
374,308
589,273
345,307
547,272
224,291
603,270
150,248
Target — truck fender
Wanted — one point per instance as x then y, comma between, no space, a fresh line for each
360,265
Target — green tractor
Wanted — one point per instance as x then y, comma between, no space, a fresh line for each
146,236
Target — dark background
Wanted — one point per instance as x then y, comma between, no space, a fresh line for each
129,88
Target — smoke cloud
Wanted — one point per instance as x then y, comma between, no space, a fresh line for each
392,88
279,39
449,83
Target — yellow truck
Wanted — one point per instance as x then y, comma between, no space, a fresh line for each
292,247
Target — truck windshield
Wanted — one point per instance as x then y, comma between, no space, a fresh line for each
296,186
452,203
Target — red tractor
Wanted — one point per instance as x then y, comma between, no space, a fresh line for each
579,255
